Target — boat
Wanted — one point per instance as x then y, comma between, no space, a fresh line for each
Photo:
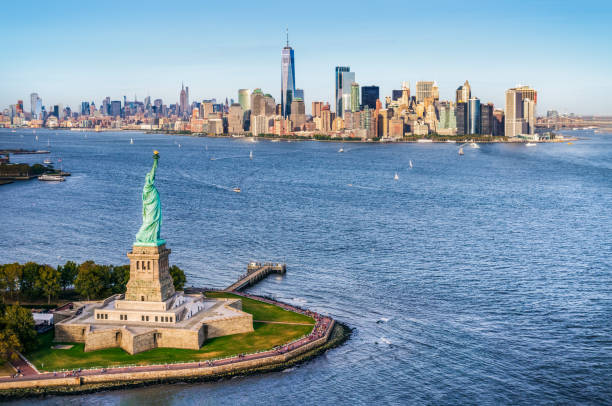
410,163
47,161
451,141
131,140
51,178
570,143
396,177
341,148
237,190
37,138
474,145
460,151
530,144
13,131
424,140
251,155
179,145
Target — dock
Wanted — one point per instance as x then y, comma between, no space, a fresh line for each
256,271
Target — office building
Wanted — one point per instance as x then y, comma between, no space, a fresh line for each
461,115
473,115
258,104
486,119
298,114
316,108
244,98
354,97
369,95
424,90
464,93
519,114
347,80
287,79
235,117
338,78
115,108
299,94
85,108
498,123
396,95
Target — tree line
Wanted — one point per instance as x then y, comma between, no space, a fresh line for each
19,282
31,280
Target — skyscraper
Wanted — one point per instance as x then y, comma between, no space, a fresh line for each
354,97
346,79
287,79
298,113
258,104
424,90
461,117
183,100
486,119
338,78
464,93
520,115
369,95
474,115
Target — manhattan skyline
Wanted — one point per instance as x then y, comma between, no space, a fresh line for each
128,50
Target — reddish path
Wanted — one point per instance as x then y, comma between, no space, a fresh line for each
321,328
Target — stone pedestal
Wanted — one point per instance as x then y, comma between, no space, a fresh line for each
150,279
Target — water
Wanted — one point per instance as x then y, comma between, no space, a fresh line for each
481,279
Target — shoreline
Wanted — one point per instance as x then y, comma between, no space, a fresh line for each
296,352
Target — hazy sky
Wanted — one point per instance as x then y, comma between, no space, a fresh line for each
72,51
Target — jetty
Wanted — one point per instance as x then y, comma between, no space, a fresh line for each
256,271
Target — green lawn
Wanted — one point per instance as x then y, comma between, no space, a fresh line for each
264,311
265,337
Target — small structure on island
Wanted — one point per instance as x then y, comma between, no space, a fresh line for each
152,314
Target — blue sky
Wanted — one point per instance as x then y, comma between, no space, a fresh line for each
72,51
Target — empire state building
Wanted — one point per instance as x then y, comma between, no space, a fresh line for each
287,79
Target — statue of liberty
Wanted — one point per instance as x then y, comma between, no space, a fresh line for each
149,232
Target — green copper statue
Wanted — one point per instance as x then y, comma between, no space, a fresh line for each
149,232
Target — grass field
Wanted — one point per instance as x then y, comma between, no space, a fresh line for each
264,311
265,337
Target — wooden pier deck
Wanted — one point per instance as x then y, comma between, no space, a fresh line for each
256,271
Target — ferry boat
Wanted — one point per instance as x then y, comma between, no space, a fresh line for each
51,178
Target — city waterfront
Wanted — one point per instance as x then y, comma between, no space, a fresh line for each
481,278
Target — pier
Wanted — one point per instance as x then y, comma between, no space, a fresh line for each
256,271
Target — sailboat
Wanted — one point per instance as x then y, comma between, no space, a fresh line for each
341,148
37,138
251,155
410,162
131,141
396,177
461,151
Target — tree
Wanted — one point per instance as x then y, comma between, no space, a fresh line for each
178,277
20,320
120,276
68,274
48,281
92,281
10,276
9,343
27,284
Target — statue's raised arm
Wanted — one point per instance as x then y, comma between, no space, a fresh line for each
149,233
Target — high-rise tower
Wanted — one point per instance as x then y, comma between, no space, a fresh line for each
287,78
338,77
